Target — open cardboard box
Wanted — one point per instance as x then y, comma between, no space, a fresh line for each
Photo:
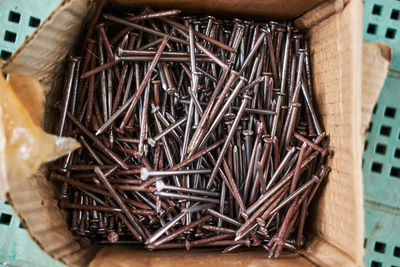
335,32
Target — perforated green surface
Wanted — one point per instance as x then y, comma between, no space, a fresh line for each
16,247
19,19
381,159
382,23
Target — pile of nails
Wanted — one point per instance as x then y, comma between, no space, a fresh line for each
195,132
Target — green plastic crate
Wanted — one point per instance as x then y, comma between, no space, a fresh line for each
381,159
19,19
16,247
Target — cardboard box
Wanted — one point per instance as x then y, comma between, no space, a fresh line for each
335,32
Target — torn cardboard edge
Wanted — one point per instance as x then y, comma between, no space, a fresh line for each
376,64
320,13
51,235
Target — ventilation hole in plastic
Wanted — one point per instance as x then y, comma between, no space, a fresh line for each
376,167
21,225
371,29
375,108
14,17
397,153
377,10
5,55
370,127
396,252
376,264
34,22
390,112
10,36
395,172
385,130
365,243
395,14
380,149
6,203
380,247
390,33
5,219
366,145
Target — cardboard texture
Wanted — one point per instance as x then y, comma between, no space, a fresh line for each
319,13
258,9
123,256
336,55
31,94
335,31
376,63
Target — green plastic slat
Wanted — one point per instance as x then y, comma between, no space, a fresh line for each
19,19
381,158
16,247
382,150
382,23
380,246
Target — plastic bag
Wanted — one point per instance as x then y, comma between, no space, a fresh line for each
24,146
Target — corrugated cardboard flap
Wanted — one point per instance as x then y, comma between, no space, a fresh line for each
376,63
42,57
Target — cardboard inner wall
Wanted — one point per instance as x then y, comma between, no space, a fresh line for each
258,9
336,58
